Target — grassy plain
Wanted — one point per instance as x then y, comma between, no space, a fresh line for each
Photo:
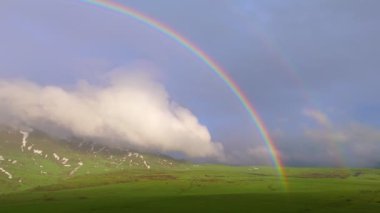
205,188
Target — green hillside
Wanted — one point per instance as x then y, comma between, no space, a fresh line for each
44,160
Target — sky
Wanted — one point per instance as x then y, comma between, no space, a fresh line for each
310,69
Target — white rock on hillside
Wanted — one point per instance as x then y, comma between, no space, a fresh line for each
6,173
24,137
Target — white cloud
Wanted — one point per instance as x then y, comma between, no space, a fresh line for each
133,109
318,116
353,144
331,144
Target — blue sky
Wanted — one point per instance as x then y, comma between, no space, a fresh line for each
277,51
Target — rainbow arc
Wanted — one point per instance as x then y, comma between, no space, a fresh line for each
212,64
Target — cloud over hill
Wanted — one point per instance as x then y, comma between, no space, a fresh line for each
133,109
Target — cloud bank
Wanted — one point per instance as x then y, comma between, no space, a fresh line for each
133,109
331,144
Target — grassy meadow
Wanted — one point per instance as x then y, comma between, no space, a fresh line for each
89,177
205,188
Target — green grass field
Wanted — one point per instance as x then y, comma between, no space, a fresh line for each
119,181
205,188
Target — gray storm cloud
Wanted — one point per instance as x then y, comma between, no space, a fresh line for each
133,109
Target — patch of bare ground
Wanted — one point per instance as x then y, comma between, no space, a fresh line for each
341,175
209,180
158,177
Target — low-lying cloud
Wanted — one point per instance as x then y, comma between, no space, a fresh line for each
331,144
133,109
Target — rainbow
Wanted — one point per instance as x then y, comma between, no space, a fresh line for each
217,69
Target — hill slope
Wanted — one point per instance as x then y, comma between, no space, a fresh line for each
29,159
